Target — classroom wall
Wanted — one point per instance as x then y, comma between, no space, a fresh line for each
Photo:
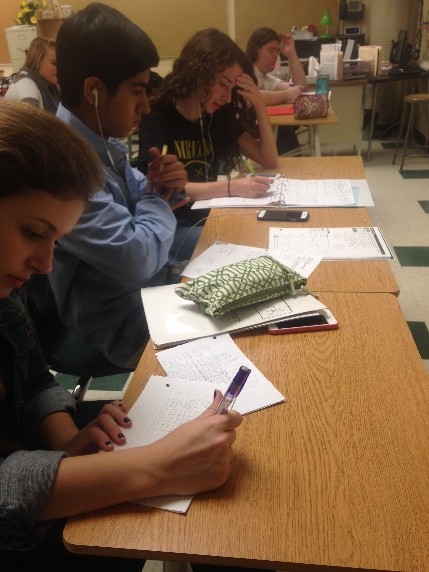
170,23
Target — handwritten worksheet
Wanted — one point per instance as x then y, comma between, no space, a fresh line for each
297,192
216,360
351,243
221,253
360,188
164,404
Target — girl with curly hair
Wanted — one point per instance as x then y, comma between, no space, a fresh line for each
209,111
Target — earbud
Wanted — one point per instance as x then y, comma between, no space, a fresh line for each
95,94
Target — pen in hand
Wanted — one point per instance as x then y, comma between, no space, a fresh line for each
233,390
248,165
157,188
163,153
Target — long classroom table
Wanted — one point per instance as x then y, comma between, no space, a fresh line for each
336,478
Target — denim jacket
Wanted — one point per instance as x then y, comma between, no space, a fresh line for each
26,477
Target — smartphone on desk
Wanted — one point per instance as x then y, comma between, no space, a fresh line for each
283,215
311,322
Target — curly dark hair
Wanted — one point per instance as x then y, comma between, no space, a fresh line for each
206,54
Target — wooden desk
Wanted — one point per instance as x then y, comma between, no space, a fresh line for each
312,124
338,476
240,226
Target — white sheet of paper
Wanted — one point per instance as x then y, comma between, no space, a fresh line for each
303,263
164,404
318,192
216,361
297,192
362,193
350,243
221,253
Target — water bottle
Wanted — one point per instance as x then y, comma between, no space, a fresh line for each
322,82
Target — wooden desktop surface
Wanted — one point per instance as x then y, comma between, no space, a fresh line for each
285,119
335,478
240,226
338,476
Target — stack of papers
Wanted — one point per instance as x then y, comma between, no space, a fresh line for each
172,320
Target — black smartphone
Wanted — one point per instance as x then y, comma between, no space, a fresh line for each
283,215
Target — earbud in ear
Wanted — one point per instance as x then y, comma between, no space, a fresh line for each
95,94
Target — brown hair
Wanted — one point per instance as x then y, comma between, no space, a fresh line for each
258,39
207,53
39,151
36,51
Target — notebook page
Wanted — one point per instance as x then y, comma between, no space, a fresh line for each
164,404
216,360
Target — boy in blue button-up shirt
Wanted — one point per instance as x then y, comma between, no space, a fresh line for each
122,241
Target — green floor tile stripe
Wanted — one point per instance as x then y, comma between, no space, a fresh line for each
425,206
66,381
412,255
415,174
420,334
108,383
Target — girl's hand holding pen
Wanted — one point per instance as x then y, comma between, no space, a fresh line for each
250,187
196,456
168,176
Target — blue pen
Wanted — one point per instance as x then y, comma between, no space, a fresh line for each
233,390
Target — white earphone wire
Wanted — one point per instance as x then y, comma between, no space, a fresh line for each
109,155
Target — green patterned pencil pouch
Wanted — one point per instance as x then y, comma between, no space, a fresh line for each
241,284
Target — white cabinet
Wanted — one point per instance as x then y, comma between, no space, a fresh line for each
18,40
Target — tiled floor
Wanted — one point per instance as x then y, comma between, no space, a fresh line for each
401,210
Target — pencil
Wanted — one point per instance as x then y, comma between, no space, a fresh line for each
163,152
